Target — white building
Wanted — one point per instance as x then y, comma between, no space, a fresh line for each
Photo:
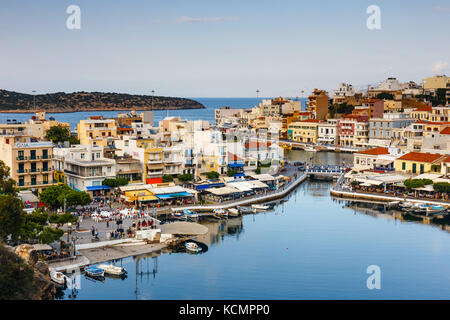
84,167
344,90
328,132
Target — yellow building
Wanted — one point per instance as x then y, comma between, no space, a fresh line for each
436,82
30,161
392,105
97,131
421,113
434,127
318,104
304,131
153,165
418,162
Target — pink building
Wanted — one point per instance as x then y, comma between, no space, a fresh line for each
376,107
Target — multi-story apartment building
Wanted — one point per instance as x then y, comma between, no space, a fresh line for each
304,131
318,104
328,132
381,130
434,83
29,160
97,131
440,114
421,113
85,167
390,85
352,130
344,90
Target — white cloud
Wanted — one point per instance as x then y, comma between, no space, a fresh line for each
186,19
439,66
441,9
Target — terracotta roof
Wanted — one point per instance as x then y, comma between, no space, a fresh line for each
375,151
424,108
310,120
421,157
257,145
446,131
233,157
447,159
370,100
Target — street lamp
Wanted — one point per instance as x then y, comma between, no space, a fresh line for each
34,100
153,93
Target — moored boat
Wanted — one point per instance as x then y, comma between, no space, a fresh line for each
233,212
244,209
435,209
192,247
310,148
58,277
259,207
190,214
178,215
111,269
94,272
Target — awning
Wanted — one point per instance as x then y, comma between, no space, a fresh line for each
207,186
224,191
95,188
240,174
173,195
236,165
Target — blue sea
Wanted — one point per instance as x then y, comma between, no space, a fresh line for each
191,114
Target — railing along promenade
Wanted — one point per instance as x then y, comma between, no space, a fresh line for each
280,193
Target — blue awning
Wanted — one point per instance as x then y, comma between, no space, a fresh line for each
240,174
236,165
95,188
173,195
211,185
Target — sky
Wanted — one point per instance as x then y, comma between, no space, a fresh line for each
218,48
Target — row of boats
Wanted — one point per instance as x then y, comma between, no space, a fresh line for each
222,213
421,208
97,272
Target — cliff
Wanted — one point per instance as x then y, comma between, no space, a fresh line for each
11,101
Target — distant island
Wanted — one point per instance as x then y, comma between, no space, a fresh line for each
16,102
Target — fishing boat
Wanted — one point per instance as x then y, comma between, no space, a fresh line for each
405,205
233,212
259,207
310,148
112,270
435,209
243,210
178,215
190,214
94,272
221,212
192,247
58,278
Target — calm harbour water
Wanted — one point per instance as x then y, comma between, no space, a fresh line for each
310,247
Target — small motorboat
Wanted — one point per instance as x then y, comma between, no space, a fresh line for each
310,149
190,214
271,205
178,215
244,209
112,270
192,247
259,207
58,278
233,212
221,213
94,272
404,205
435,209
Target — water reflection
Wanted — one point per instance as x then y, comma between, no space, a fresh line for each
219,229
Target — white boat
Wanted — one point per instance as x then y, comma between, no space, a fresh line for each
259,207
233,212
110,269
192,247
58,277
405,205
435,209
310,148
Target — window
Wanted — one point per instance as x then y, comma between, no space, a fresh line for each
422,168
414,168
403,165
97,155
82,156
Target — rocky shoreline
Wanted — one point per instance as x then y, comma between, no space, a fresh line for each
95,109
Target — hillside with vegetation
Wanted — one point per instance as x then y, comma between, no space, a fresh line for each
11,101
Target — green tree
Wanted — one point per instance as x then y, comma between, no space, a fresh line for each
114,183
12,217
16,277
413,184
50,235
60,133
51,194
442,187
385,96
212,175
185,177
7,184
167,178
